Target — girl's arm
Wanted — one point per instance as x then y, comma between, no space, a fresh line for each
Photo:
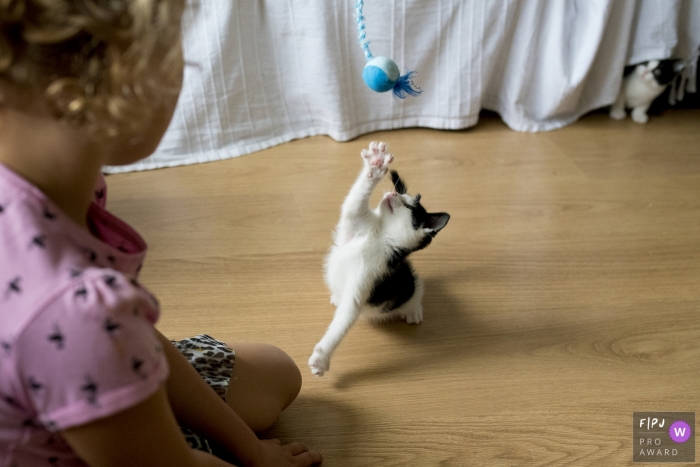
149,434
198,407
146,434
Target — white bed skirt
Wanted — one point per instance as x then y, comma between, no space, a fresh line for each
264,72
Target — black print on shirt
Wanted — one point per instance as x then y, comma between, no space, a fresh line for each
111,281
57,337
31,423
39,241
6,348
137,366
49,215
111,326
34,385
90,390
81,292
13,287
90,254
11,402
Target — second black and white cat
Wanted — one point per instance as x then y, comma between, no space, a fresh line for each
640,87
367,270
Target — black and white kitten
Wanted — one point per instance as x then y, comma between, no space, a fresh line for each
642,86
367,270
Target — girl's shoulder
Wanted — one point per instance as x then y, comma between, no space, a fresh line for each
51,265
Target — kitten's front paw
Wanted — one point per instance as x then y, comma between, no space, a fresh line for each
639,116
377,160
319,362
618,114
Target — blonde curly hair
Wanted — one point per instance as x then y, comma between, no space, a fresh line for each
103,64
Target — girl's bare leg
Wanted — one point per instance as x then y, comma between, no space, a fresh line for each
264,382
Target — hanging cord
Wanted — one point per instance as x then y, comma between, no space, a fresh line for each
361,29
685,80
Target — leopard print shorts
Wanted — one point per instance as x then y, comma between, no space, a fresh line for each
214,362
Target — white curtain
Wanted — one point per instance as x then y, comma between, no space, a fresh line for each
264,72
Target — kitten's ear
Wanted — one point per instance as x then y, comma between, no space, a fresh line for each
436,221
399,185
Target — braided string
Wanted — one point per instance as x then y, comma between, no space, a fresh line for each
361,29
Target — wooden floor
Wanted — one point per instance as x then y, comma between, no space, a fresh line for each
563,295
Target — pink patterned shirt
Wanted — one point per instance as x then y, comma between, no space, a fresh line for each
77,340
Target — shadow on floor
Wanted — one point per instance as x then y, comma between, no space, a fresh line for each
451,332
325,425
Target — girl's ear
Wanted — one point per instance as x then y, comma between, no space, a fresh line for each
436,221
399,185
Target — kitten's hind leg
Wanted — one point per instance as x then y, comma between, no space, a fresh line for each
345,316
412,310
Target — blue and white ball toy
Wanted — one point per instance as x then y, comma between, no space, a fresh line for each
381,73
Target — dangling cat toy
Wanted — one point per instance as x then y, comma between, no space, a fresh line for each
381,73
367,269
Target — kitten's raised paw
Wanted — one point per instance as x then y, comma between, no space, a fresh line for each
319,362
377,160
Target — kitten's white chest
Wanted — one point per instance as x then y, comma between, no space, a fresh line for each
341,262
640,92
354,263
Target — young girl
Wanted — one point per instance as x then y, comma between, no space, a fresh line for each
85,378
